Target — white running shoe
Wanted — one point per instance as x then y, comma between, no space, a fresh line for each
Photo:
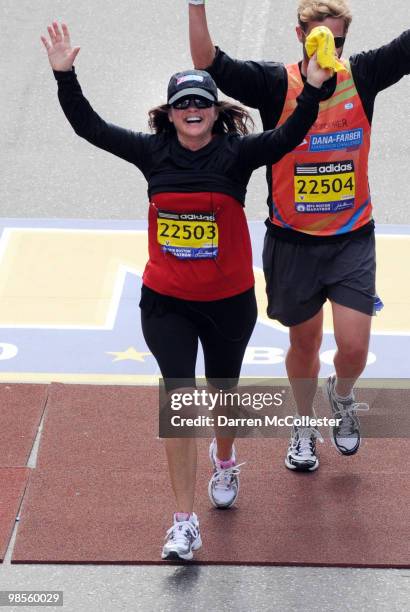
302,449
182,539
345,436
223,488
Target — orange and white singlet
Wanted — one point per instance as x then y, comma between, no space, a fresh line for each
321,188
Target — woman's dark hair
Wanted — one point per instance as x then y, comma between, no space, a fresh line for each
232,119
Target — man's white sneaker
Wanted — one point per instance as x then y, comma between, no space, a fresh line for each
345,436
302,449
182,539
223,488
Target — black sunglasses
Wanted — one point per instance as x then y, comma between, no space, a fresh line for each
185,103
340,41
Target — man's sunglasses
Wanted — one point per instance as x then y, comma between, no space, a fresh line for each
340,41
185,103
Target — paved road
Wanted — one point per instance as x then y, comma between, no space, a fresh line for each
129,50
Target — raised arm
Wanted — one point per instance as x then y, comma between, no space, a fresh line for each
382,67
252,83
202,47
123,143
270,146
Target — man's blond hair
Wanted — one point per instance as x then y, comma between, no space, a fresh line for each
314,10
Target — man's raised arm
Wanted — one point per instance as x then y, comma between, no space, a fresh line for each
202,48
252,83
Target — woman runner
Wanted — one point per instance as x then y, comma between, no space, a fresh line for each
198,284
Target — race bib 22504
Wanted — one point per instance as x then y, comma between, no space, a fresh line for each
324,187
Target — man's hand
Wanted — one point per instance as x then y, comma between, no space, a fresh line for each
60,53
316,75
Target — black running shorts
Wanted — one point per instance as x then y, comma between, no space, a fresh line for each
173,328
301,277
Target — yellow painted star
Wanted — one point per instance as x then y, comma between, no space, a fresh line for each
130,354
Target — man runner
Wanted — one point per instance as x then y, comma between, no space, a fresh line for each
319,242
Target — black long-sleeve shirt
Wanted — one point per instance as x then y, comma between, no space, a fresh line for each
263,85
224,165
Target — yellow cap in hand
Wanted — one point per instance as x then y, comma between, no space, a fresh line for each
321,40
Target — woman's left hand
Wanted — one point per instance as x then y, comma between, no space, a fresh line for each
316,75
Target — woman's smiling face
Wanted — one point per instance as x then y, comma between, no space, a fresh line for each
192,123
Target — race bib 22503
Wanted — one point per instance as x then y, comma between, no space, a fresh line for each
188,235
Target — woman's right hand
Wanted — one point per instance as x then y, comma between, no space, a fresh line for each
60,53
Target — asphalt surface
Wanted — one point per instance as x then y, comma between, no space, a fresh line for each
128,51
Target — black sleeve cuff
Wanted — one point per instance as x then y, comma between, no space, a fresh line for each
312,93
215,63
64,75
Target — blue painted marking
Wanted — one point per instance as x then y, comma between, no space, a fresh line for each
85,351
